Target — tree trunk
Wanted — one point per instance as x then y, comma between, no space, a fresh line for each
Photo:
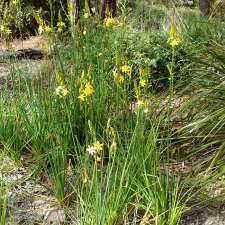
103,9
97,6
204,6
112,8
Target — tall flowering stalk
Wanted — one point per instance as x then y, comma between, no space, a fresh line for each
173,40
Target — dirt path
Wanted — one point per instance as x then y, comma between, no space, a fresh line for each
32,42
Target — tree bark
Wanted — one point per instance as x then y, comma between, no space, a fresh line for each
103,9
97,6
112,8
76,11
204,6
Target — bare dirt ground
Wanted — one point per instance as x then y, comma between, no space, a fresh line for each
32,42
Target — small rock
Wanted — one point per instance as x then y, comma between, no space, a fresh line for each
54,216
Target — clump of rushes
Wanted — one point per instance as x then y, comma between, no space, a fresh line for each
80,126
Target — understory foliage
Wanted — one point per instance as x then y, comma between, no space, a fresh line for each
118,113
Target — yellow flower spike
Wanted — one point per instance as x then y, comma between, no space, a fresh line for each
61,25
142,104
115,72
82,75
58,78
174,39
110,22
124,60
172,30
89,72
141,71
127,70
113,148
7,31
107,11
119,78
88,90
47,30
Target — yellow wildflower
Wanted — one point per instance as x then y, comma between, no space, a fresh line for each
47,30
109,22
86,15
175,41
58,78
143,82
85,180
127,70
5,30
88,90
174,38
142,104
8,31
113,148
2,28
82,97
61,25
15,2
118,77
98,146
141,71
62,91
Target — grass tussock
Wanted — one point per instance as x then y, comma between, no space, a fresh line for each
126,121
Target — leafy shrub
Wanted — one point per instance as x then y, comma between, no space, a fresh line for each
17,20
